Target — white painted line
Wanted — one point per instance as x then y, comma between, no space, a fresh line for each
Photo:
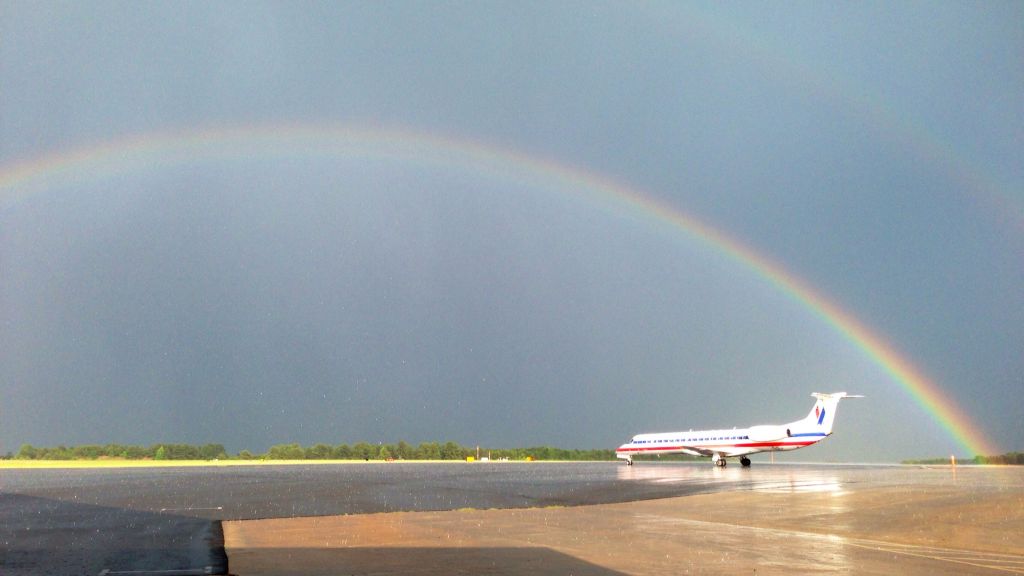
188,572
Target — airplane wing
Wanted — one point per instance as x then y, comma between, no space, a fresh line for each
697,451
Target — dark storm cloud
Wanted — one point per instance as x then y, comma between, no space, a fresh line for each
272,300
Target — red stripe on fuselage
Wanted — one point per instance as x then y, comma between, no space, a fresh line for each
719,446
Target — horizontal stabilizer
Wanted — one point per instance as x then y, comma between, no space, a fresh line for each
823,396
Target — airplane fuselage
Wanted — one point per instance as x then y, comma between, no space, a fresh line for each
734,442
740,442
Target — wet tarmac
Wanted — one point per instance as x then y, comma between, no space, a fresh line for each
792,520
84,521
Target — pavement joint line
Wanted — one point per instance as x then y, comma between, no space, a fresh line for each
906,550
191,508
206,571
952,555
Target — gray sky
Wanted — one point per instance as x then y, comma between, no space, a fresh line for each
277,293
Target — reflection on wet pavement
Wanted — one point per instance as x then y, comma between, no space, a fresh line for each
764,479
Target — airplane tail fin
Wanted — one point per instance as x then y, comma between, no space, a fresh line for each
823,413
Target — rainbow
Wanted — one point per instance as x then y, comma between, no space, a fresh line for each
165,149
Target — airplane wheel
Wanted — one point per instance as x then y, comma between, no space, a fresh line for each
745,461
721,462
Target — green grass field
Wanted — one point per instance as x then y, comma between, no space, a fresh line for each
113,463
40,464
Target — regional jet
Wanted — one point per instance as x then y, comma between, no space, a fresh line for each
739,442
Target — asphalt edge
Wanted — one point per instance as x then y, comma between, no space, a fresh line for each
218,555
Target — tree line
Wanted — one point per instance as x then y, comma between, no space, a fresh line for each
123,452
358,451
368,451
1011,458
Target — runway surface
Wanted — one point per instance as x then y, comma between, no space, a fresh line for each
88,521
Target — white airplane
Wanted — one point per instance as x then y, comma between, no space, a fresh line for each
739,442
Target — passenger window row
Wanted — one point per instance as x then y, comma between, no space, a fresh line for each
683,440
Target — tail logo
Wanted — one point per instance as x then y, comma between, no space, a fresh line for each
820,413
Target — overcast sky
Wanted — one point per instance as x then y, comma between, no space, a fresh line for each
279,295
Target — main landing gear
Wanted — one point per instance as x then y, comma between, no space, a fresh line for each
719,461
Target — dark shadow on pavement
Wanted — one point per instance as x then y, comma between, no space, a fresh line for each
496,561
45,536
